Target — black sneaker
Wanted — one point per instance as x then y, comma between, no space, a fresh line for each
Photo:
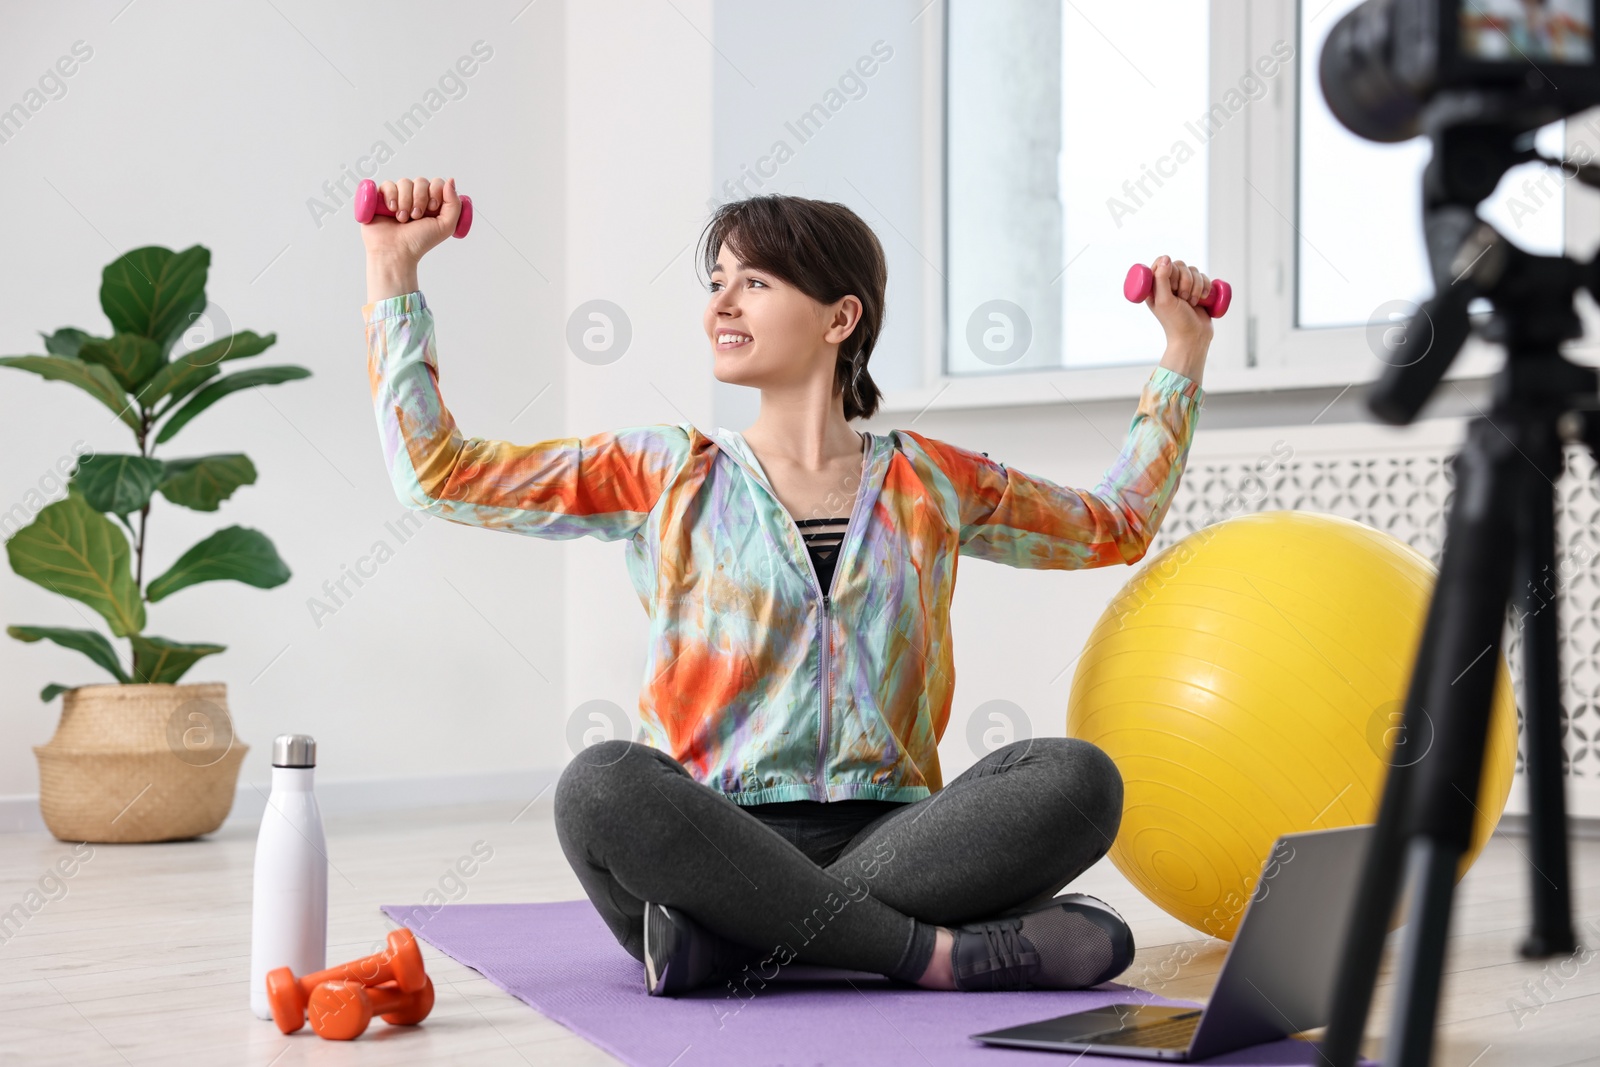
680,954
1073,942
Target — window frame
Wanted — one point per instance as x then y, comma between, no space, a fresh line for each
1253,200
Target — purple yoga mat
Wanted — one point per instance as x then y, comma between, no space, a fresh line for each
561,959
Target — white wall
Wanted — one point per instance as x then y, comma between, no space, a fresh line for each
638,166
794,114
216,124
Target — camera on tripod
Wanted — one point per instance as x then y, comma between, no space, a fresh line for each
1387,60
1478,78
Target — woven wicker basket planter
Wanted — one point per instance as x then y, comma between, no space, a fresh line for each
139,762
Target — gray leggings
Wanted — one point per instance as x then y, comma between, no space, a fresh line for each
857,884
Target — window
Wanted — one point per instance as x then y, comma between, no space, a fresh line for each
1046,126
1077,145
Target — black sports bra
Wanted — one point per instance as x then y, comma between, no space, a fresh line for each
822,538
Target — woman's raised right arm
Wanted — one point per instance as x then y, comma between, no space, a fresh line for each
603,485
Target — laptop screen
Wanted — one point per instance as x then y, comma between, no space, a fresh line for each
1279,974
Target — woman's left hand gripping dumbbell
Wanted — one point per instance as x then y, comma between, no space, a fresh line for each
1178,295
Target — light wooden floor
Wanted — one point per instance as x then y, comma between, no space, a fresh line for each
145,958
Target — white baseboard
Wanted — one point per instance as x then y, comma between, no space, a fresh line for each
20,814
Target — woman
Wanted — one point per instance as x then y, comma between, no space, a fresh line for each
783,799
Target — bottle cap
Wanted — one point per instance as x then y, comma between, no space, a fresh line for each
294,750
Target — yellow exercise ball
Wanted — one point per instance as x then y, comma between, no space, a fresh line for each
1249,682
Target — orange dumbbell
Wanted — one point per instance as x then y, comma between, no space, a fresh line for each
341,1011
400,963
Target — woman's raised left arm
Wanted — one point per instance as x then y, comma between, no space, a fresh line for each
1023,520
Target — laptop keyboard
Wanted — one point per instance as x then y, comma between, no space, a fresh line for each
1168,1033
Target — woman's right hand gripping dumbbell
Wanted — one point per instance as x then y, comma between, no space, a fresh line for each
425,214
394,245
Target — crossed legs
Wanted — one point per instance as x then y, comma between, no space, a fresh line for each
1003,836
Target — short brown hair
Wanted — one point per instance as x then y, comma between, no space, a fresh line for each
827,252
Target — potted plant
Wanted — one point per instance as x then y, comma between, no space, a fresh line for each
143,758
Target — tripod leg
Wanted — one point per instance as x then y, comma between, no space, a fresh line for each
1431,873
1380,882
1551,934
1429,804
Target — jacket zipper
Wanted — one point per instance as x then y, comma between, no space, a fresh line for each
824,681
825,630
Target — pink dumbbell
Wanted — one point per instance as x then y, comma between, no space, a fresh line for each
369,203
1141,279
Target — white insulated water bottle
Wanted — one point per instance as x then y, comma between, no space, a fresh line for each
289,905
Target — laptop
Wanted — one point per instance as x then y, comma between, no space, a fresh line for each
1277,979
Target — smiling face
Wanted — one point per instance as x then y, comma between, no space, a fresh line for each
764,332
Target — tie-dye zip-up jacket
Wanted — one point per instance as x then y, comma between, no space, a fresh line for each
762,684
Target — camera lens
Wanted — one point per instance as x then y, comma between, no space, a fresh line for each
1357,75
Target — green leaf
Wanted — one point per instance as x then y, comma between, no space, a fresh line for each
130,358
118,484
72,549
65,341
234,346
90,377
203,482
187,372
222,387
235,552
154,291
49,692
155,659
91,643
